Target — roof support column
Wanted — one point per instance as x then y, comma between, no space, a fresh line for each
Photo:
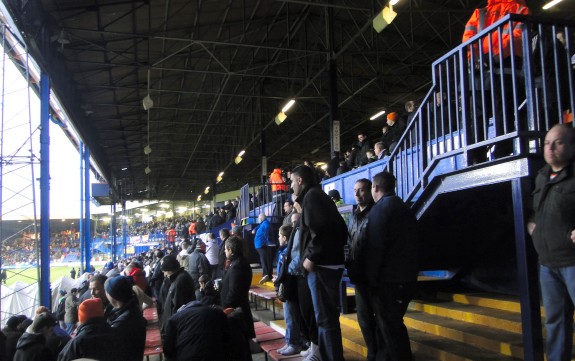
113,233
45,293
527,275
87,232
333,99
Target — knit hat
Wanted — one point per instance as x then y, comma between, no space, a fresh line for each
119,288
392,116
13,322
91,308
62,292
201,245
170,263
109,265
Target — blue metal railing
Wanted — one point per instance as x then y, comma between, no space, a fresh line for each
472,111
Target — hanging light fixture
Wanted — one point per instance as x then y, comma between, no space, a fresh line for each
377,115
239,158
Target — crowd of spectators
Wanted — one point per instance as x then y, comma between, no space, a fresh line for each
22,249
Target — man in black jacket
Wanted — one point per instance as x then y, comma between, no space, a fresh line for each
180,288
156,278
128,324
355,258
390,266
361,148
94,337
196,332
32,345
553,235
323,235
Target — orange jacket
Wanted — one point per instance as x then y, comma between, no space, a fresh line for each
277,182
495,10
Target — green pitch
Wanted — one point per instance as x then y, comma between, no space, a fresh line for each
30,275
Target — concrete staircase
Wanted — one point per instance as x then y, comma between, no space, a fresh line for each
451,327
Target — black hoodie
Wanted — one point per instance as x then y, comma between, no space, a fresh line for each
32,347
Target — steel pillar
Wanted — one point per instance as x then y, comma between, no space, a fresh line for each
527,276
113,233
45,293
86,236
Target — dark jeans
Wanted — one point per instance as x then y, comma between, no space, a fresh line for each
389,305
558,291
307,316
267,267
366,319
324,288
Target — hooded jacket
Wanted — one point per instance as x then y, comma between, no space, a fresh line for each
495,10
94,339
277,181
129,327
32,347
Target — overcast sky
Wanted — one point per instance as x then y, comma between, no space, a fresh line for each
17,194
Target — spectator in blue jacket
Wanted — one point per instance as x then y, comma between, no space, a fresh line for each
265,247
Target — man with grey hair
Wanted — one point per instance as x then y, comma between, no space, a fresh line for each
379,150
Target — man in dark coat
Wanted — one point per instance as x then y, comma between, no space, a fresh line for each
392,132
97,291
94,337
354,263
198,265
194,332
553,233
12,334
323,235
156,278
390,266
224,235
180,290
128,324
361,147
32,345
236,283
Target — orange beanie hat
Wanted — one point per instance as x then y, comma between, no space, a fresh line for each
392,116
91,308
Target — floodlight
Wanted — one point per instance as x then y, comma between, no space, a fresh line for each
147,102
383,19
280,118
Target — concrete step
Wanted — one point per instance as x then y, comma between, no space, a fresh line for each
440,348
498,319
488,300
486,338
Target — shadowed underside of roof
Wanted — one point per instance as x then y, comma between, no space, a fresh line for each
218,72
